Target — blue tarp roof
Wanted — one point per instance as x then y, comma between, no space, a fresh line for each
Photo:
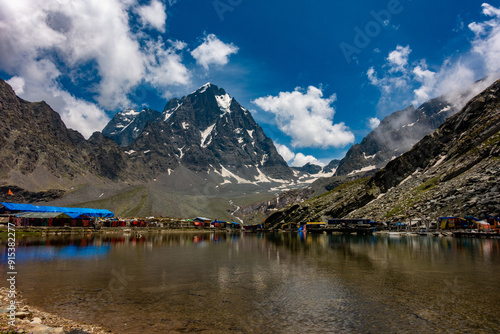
73,212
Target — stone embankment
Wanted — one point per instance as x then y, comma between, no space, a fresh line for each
29,319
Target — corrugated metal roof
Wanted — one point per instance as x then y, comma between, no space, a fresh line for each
73,212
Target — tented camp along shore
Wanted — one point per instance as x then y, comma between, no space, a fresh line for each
39,215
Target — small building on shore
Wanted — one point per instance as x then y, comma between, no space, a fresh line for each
202,221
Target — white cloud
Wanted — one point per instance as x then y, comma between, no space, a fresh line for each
301,159
153,15
164,65
487,40
296,160
489,10
81,115
285,152
428,80
398,58
17,84
213,52
307,118
407,83
373,123
43,41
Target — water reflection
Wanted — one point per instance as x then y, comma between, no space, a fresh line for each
256,283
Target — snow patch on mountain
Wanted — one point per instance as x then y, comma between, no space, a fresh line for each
226,174
445,109
170,112
408,125
224,102
181,154
369,156
264,159
204,88
261,177
130,112
364,169
205,134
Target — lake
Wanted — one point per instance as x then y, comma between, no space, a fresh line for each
263,283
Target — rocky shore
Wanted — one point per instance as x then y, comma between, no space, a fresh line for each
32,320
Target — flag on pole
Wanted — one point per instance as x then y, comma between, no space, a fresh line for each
10,192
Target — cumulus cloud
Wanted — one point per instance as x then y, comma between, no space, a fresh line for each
164,64
487,38
17,84
373,123
307,118
402,82
398,58
302,159
153,15
285,152
44,41
296,160
213,52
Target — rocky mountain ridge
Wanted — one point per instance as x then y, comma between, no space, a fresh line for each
396,134
185,160
33,137
208,131
452,170
126,126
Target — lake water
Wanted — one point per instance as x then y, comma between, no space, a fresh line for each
264,283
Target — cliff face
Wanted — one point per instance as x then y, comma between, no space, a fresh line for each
33,137
126,126
454,167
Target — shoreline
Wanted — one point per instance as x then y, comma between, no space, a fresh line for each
41,231
31,319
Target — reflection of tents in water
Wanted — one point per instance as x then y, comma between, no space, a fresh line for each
50,253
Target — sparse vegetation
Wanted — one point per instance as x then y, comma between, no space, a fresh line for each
429,184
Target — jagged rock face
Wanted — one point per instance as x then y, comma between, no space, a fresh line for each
127,125
454,167
209,130
309,168
395,135
33,135
332,166
478,121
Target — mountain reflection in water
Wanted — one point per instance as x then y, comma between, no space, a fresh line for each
264,283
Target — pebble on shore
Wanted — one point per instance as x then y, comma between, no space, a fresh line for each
32,320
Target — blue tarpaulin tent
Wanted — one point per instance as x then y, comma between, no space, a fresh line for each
72,212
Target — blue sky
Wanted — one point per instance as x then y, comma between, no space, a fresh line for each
317,76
